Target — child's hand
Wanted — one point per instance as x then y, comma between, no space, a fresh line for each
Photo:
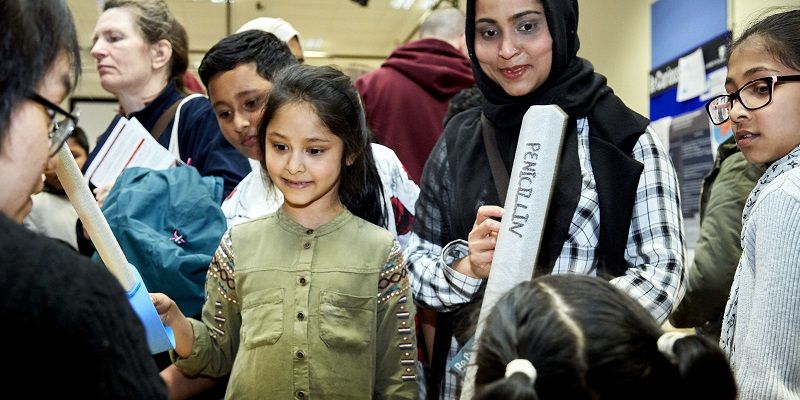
172,316
482,241
167,310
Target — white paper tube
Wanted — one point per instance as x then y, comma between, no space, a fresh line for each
93,219
525,212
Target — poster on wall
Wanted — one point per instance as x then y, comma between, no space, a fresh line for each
690,150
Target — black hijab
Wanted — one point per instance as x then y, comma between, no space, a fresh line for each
613,128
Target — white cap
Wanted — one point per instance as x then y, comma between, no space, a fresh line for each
276,26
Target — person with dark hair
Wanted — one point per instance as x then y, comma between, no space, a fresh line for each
60,311
238,72
141,52
579,337
315,288
406,98
762,316
615,211
52,214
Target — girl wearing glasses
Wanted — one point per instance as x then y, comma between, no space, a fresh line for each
759,330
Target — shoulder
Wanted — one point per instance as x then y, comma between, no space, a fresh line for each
254,225
198,110
49,273
466,122
370,236
786,186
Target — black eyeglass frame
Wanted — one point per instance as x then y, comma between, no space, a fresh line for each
52,110
772,80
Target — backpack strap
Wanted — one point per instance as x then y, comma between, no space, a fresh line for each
500,173
163,120
174,111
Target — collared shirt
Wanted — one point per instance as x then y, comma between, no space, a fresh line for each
654,251
299,313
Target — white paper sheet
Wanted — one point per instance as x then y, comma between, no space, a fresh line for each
691,76
128,145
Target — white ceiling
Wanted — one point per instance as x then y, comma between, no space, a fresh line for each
341,28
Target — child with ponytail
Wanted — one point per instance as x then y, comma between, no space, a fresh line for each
579,337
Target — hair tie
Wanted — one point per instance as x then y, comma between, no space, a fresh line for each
666,343
523,366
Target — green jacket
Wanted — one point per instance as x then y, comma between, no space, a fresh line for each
307,314
725,190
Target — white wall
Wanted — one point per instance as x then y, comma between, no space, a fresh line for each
741,12
615,37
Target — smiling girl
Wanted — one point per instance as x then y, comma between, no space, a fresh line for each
315,292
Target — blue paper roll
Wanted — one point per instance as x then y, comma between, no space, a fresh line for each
159,337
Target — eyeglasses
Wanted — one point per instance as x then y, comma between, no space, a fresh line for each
753,95
60,130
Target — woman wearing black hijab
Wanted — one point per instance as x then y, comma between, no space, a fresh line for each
615,211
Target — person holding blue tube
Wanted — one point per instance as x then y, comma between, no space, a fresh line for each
67,324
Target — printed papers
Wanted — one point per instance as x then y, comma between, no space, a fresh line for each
128,145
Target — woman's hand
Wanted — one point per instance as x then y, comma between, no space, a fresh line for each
172,316
482,241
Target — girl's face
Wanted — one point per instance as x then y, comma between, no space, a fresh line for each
238,97
512,44
124,58
769,133
304,160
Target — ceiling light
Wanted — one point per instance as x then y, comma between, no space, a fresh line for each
401,4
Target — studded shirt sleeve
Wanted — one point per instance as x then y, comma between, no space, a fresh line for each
396,376
216,338
655,241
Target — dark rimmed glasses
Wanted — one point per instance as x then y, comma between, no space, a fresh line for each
60,129
752,96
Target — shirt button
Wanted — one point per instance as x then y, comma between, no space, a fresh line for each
300,354
310,231
301,393
307,245
303,281
301,316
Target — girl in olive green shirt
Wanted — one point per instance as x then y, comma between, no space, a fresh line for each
311,301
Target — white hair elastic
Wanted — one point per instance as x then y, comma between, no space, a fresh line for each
521,365
666,343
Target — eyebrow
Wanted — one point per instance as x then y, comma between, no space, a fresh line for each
750,72
241,94
512,18
312,140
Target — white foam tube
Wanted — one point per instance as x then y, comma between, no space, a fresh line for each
93,219
530,189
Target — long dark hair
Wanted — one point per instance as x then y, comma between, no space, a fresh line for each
589,340
336,102
34,34
780,35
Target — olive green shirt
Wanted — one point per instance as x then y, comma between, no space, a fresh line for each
322,313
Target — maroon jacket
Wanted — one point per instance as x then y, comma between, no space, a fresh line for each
406,98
